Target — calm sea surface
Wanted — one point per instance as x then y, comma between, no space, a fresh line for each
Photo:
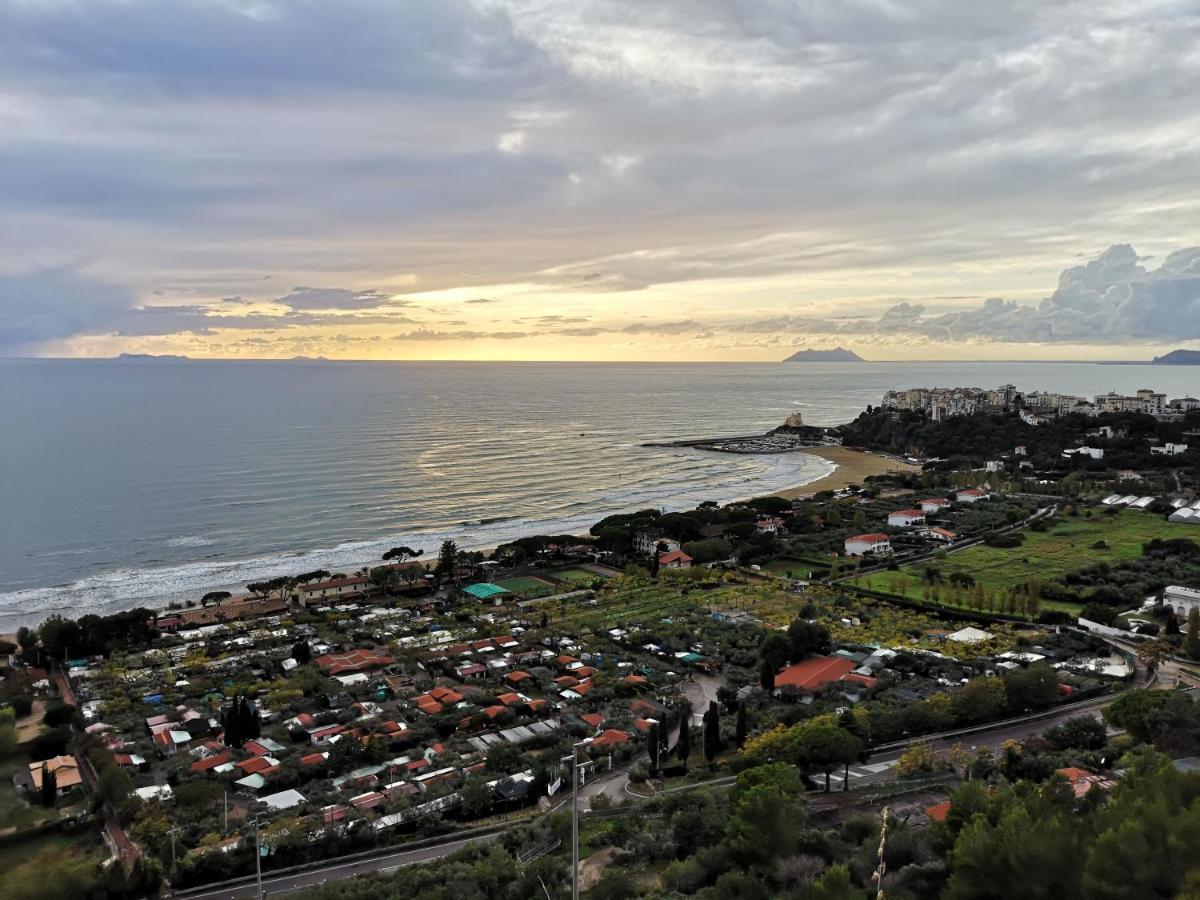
126,483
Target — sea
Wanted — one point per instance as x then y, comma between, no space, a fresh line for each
140,482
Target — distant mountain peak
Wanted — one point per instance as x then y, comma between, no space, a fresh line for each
838,354
143,357
1178,358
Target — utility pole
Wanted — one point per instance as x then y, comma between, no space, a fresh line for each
258,861
575,823
882,869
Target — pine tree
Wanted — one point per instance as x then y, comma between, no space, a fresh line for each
766,676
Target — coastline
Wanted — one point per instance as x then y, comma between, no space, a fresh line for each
852,467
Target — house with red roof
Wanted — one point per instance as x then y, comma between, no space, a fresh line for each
354,661
813,673
875,544
676,559
906,518
971,495
933,504
607,740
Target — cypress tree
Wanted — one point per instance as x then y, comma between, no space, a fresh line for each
653,744
741,725
1191,643
49,786
712,732
684,747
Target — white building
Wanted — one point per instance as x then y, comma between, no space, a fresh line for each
1093,452
1170,449
934,504
863,544
906,518
971,495
645,542
1181,599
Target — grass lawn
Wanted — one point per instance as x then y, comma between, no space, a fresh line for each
528,586
796,568
578,576
1068,547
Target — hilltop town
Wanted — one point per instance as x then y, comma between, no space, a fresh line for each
755,695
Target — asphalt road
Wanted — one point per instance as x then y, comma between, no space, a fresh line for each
274,885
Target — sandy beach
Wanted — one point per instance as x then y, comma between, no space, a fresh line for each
852,467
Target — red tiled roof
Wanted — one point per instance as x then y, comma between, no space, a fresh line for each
354,661
868,538
814,672
634,679
610,738
254,764
211,762
673,556
510,699
908,512
938,812
517,677
313,759
593,719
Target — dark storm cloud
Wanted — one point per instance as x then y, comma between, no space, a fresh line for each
594,148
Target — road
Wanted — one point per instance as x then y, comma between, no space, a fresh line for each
274,885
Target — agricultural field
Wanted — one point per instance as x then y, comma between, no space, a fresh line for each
1067,547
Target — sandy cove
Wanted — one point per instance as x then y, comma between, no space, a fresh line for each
853,466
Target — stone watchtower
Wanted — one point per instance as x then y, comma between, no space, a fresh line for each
795,420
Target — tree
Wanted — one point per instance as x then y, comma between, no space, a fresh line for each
477,797
835,884
767,814
822,746
684,747
775,649
1033,688
400,554
1191,643
1077,733
980,699
447,564
215,597
653,745
766,675
741,723
1152,653
1132,711
806,639
301,653
49,786
712,732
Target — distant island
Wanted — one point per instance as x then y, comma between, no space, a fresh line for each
838,354
153,357
1178,358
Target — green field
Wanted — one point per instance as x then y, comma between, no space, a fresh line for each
578,576
528,586
1067,547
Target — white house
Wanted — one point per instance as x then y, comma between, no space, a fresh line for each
769,526
906,518
994,465
645,542
971,495
942,535
1170,449
934,504
863,544
1093,452
1181,599
1020,450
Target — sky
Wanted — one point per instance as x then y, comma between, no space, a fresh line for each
610,180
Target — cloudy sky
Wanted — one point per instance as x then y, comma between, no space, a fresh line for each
616,179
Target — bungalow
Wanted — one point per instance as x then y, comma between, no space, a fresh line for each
933,504
355,661
607,740
906,518
64,768
1170,449
470,672
971,495
283,799
868,544
770,525
942,535
814,673
334,587
676,559
518,678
